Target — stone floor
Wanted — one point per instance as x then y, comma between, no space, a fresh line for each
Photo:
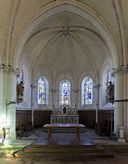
87,136
39,137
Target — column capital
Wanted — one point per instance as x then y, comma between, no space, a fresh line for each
9,69
120,70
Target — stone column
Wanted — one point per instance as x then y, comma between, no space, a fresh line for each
32,103
53,92
10,100
2,100
119,126
97,87
11,104
125,69
76,92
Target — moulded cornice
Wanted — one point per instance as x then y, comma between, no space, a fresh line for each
120,70
9,69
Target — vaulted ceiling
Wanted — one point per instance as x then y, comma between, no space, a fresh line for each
66,43
64,36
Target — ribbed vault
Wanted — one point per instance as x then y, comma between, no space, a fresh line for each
65,43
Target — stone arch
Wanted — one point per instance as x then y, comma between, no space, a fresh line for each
74,7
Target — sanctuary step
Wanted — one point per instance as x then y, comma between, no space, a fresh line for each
64,152
119,148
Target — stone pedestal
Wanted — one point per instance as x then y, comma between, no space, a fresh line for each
121,137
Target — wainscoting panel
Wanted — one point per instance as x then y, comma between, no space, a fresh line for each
88,118
41,117
23,119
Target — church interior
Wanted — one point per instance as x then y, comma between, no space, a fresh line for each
64,79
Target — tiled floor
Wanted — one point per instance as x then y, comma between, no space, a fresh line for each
87,137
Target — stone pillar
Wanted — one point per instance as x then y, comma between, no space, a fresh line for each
97,87
53,92
11,104
126,111
2,101
9,76
125,69
76,92
119,124
32,103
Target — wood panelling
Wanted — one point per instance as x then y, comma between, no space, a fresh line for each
87,117
105,120
105,115
41,117
23,119
105,124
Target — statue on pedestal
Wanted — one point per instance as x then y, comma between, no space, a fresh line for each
20,92
111,92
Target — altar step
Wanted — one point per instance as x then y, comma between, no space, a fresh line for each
64,152
117,148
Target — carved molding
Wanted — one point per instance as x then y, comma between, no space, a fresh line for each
9,69
120,70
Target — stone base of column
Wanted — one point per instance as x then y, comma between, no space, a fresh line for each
121,140
121,137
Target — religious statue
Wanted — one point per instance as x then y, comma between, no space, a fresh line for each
20,91
110,92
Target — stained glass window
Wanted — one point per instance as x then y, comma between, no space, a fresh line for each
87,91
65,92
108,77
42,91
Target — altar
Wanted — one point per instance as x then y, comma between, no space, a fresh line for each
71,125
64,115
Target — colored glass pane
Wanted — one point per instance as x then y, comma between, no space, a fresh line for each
42,91
87,91
65,90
